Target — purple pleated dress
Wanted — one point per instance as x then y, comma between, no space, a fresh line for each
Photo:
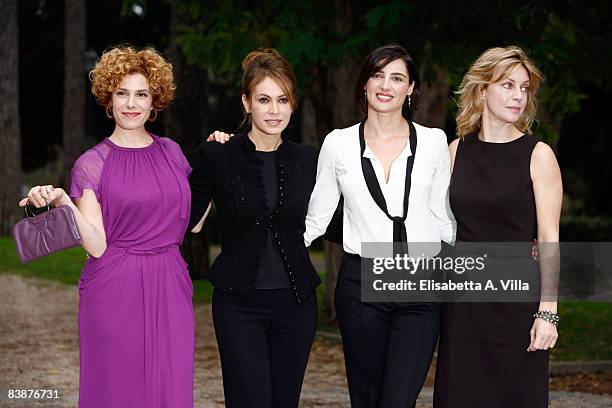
136,321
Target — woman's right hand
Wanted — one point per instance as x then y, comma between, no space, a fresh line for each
218,136
87,214
41,196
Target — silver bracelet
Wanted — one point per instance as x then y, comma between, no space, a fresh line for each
548,316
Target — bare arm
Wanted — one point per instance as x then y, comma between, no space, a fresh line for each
198,227
202,190
548,192
453,152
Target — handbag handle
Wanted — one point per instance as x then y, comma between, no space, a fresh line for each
25,208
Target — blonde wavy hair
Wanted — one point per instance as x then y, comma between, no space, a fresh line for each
118,62
480,74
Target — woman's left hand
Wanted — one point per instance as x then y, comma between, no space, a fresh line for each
543,335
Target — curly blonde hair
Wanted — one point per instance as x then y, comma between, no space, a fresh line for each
118,62
480,74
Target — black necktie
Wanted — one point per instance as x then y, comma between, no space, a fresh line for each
399,226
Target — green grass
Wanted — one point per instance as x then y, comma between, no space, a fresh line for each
202,291
585,332
63,266
66,267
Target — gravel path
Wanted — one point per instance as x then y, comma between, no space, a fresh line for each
39,349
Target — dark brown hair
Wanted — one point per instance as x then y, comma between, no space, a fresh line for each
267,62
376,61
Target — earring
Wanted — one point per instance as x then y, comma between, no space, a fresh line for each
109,114
365,95
409,101
153,115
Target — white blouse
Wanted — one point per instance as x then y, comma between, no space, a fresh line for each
339,172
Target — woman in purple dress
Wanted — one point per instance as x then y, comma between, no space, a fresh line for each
136,322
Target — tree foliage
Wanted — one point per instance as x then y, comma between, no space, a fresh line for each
325,41
443,35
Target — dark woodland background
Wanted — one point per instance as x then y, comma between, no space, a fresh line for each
48,115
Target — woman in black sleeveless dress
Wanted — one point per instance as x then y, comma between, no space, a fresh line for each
505,187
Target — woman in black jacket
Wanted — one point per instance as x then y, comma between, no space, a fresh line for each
264,304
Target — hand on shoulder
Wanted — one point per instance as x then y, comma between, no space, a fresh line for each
219,136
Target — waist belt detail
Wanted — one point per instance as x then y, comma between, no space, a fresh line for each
147,251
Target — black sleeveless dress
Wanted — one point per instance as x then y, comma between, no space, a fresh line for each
482,357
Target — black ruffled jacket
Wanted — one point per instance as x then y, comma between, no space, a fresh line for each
231,175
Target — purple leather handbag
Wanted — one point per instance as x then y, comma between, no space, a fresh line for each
40,235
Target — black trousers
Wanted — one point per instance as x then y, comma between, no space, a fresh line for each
387,346
264,341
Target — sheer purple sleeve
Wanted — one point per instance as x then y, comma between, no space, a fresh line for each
86,172
178,155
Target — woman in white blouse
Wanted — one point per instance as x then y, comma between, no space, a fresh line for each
394,176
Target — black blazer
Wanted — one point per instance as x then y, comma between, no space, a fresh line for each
231,175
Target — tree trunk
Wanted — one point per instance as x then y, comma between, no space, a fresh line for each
310,134
328,104
185,122
432,104
340,82
10,136
74,87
